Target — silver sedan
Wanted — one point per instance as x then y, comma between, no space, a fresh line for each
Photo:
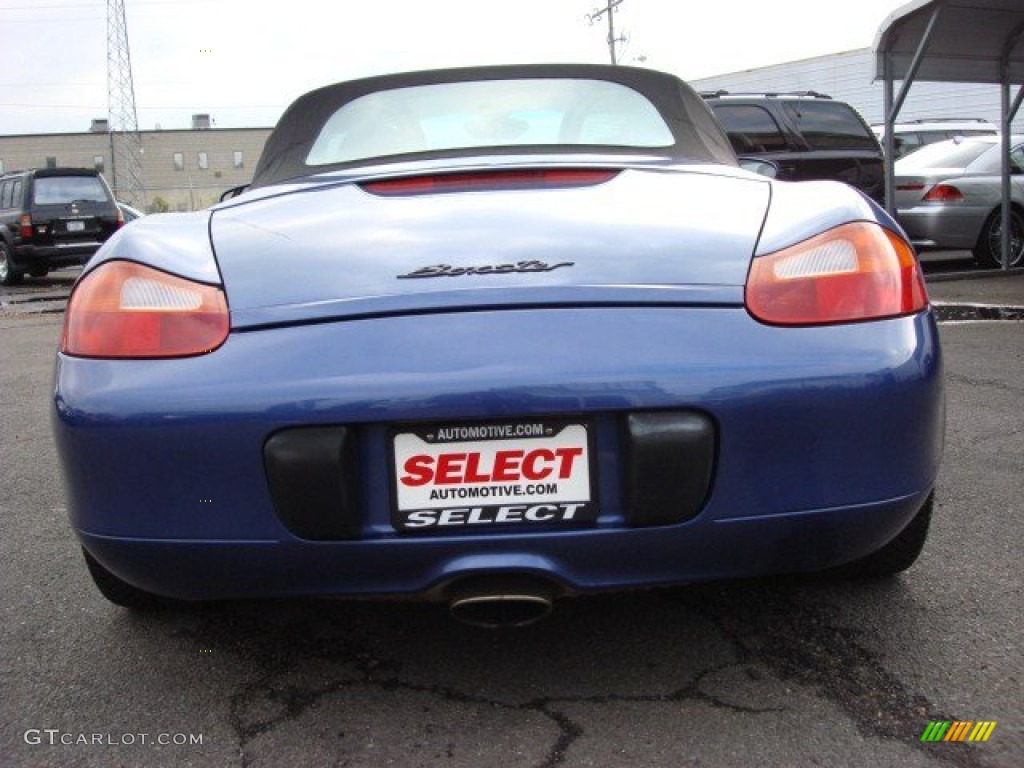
948,196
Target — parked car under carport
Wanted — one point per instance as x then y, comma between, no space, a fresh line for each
948,196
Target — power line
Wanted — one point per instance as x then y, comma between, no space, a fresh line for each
49,22
91,6
196,107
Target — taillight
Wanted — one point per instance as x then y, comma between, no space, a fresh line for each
943,193
489,180
126,310
858,271
25,226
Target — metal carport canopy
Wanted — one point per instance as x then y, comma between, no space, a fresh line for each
961,41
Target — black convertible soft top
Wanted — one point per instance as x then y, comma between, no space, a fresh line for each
696,134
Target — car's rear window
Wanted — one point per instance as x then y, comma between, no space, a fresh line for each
830,125
492,113
945,154
58,190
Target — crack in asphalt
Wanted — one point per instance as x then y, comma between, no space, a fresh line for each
801,642
990,383
249,719
297,700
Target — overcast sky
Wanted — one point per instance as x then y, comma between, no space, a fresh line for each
244,61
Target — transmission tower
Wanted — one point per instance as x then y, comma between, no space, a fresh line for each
125,139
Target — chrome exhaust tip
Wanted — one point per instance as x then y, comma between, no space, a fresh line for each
501,603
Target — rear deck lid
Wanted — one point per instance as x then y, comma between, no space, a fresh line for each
621,236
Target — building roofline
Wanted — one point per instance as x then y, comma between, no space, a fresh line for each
145,132
780,64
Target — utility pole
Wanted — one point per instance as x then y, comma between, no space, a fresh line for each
609,11
123,121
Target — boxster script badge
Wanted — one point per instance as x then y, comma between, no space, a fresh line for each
447,270
471,476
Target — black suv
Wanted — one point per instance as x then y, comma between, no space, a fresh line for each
52,217
807,135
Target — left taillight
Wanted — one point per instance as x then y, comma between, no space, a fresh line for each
857,271
127,310
943,193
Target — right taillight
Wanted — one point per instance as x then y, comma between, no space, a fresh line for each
857,271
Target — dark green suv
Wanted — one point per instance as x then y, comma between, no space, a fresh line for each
52,217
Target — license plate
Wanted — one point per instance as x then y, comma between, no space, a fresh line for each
76,226
472,477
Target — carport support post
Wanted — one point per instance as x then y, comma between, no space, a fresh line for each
889,141
893,108
1004,181
1008,113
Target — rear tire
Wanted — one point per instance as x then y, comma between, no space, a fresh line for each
9,275
988,249
896,556
121,592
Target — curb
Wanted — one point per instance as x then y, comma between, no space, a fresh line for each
973,274
960,312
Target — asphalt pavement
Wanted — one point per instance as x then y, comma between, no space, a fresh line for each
773,672
978,288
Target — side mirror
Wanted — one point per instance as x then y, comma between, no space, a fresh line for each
759,166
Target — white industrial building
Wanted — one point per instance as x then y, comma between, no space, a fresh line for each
182,170
849,77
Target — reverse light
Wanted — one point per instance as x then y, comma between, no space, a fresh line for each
858,271
943,193
127,310
489,180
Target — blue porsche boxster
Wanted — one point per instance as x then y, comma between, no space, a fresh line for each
493,336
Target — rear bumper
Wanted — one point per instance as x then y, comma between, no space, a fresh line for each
578,561
57,255
948,226
828,440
